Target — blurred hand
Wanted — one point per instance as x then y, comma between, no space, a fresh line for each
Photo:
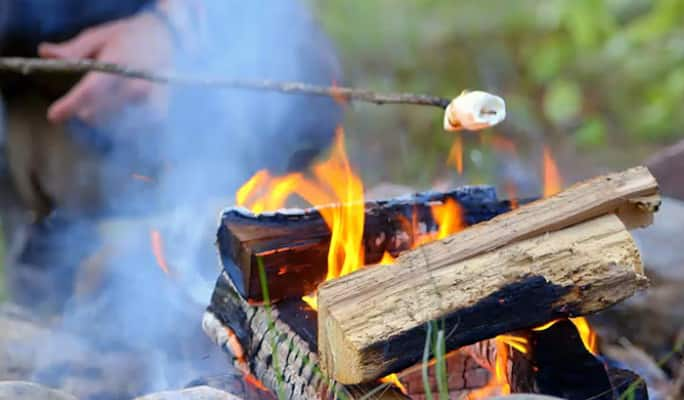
140,41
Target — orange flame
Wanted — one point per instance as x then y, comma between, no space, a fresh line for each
311,301
552,178
158,250
586,332
333,182
512,193
498,382
387,259
456,154
393,379
448,217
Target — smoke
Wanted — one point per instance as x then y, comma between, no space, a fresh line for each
192,160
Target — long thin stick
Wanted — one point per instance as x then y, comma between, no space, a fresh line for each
30,65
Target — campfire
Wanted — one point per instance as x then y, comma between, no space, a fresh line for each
455,293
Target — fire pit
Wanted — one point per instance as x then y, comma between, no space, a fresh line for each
458,292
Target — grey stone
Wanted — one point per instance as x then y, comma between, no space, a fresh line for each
31,350
660,244
194,393
21,390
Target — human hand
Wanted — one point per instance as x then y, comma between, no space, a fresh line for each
141,41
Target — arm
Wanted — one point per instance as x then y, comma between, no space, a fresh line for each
145,40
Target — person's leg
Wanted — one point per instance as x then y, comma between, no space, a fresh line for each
44,250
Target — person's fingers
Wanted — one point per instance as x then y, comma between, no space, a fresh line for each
84,45
82,100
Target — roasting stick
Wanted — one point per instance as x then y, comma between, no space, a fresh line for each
471,110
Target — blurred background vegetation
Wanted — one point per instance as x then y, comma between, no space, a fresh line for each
600,81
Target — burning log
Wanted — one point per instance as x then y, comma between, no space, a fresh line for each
368,327
279,349
293,244
276,347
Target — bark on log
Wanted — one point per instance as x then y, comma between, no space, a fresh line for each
370,323
293,244
282,356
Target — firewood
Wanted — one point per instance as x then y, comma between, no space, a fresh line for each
293,244
242,331
371,322
277,354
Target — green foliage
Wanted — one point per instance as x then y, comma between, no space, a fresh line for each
562,101
605,72
592,133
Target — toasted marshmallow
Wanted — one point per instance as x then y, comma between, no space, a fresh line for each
474,111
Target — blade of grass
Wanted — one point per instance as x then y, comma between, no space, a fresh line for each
426,363
440,366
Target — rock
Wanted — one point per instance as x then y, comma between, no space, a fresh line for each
20,390
660,243
194,393
232,381
667,166
35,351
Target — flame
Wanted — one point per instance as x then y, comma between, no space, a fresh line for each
333,181
393,379
244,193
311,301
498,383
456,154
512,193
552,179
586,332
254,381
387,259
546,325
158,250
448,217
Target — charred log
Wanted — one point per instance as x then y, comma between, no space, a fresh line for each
285,356
279,355
293,244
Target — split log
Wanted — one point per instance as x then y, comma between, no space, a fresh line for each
370,322
293,244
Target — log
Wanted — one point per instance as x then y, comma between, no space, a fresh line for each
370,323
293,244
631,194
279,355
250,346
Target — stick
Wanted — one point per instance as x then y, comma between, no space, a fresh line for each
31,65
